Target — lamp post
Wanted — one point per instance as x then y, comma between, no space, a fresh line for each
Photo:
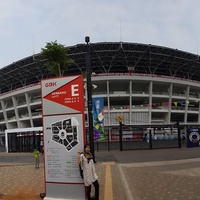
89,96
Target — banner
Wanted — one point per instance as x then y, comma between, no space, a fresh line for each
98,118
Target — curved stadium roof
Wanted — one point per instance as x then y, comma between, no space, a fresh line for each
107,57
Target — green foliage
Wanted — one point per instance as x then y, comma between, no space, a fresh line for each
57,58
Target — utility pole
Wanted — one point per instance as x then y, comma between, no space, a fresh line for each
89,97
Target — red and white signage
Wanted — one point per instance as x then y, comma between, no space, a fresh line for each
64,136
69,95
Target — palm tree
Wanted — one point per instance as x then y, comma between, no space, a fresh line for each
57,59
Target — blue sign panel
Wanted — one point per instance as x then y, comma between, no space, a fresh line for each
193,137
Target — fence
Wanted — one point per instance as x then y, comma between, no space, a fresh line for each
135,138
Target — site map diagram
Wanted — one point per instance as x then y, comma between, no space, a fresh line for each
65,132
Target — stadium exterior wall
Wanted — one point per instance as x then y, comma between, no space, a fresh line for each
140,98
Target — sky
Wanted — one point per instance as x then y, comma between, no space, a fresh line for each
27,25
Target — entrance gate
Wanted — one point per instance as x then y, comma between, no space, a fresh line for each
24,140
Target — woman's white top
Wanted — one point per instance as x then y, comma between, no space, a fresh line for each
89,172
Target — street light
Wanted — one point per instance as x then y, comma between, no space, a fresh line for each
89,96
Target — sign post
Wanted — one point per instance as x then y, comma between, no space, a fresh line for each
64,136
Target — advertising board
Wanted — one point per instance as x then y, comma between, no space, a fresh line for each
193,137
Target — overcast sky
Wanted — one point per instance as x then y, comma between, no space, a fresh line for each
27,25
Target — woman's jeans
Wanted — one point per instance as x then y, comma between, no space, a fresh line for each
96,186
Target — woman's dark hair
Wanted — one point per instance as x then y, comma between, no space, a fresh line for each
86,145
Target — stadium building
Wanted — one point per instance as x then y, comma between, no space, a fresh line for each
147,84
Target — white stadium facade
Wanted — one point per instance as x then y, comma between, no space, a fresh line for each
147,84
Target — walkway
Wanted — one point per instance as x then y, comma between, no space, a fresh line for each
162,174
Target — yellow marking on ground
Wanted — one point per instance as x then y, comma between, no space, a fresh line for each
108,191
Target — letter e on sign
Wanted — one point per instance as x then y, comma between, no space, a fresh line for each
74,89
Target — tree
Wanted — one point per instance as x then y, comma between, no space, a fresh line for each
57,59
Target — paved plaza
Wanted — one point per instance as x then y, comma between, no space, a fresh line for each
162,174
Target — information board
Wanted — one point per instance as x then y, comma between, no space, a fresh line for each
64,136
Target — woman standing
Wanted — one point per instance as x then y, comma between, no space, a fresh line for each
85,160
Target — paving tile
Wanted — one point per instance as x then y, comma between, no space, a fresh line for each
148,175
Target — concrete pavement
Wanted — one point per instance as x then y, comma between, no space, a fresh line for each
167,174
161,174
